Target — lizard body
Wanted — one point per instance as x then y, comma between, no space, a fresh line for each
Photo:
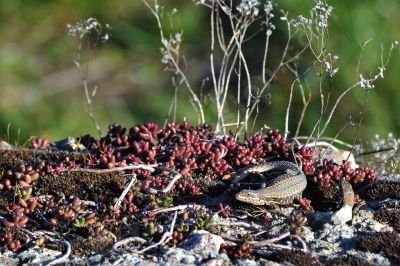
281,190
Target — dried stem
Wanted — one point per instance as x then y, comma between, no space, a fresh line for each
170,185
269,241
296,80
64,257
359,123
164,238
321,141
239,224
139,240
84,76
126,241
149,167
364,83
330,145
125,191
303,112
173,57
303,244
175,208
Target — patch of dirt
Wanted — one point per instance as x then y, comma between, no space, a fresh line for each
12,157
293,257
382,190
349,260
391,216
82,246
386,242
87,186
326,199
4,196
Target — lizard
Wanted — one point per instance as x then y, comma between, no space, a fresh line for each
280,190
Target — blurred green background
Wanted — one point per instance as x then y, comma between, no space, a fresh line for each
41,91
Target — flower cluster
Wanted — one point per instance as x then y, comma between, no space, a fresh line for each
322,11
249,7
87,26
268,9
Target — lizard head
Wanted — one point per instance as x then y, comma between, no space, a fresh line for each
249,196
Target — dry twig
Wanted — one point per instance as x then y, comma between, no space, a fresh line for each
128,240
163,239
171,183
271,242
125,191
148,167
63,257
303,244
175,208
267,242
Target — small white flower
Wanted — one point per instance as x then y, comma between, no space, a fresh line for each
178,37
165,42
165,59
300,20
105,38
381,71
248,7
85,27
255,12
323,12
366,83
333,72
268,7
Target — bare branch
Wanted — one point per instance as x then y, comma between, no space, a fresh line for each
125,191
170,185
149,167
126,241
63,257
164,238
173,57
175,208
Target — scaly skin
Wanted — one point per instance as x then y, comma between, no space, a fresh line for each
281,190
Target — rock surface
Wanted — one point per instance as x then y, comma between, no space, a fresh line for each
202,242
